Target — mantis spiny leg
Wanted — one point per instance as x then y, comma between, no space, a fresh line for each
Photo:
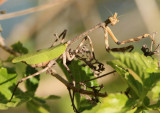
92,61
79,46
63,34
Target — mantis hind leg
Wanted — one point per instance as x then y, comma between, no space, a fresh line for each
63,35
138,38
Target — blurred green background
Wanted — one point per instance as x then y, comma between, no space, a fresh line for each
36,31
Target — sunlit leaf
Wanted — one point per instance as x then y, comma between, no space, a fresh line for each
50,97
37,107
6,84
116,103
80,73
32,83
140,72
18,47
156,92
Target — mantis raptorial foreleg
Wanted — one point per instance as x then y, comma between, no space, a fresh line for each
89,59
69,57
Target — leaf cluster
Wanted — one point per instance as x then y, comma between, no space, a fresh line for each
140,73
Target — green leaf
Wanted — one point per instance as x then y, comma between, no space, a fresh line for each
135,85
4,106
52,97
141,110
35,106
156,97
156,92
152,79
6,84
140,72
32,83
116,103
146,101
18,47
80,73
86,104
38,104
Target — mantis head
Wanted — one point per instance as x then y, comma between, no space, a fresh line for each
114,19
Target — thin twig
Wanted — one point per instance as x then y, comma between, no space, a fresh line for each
9,50
31,10
78,90
99,76
72,100
6,48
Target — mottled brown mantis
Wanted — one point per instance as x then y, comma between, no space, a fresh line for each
111,20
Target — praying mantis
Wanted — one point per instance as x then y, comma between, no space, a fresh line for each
63,50
47,57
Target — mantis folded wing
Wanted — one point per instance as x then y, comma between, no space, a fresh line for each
42,55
